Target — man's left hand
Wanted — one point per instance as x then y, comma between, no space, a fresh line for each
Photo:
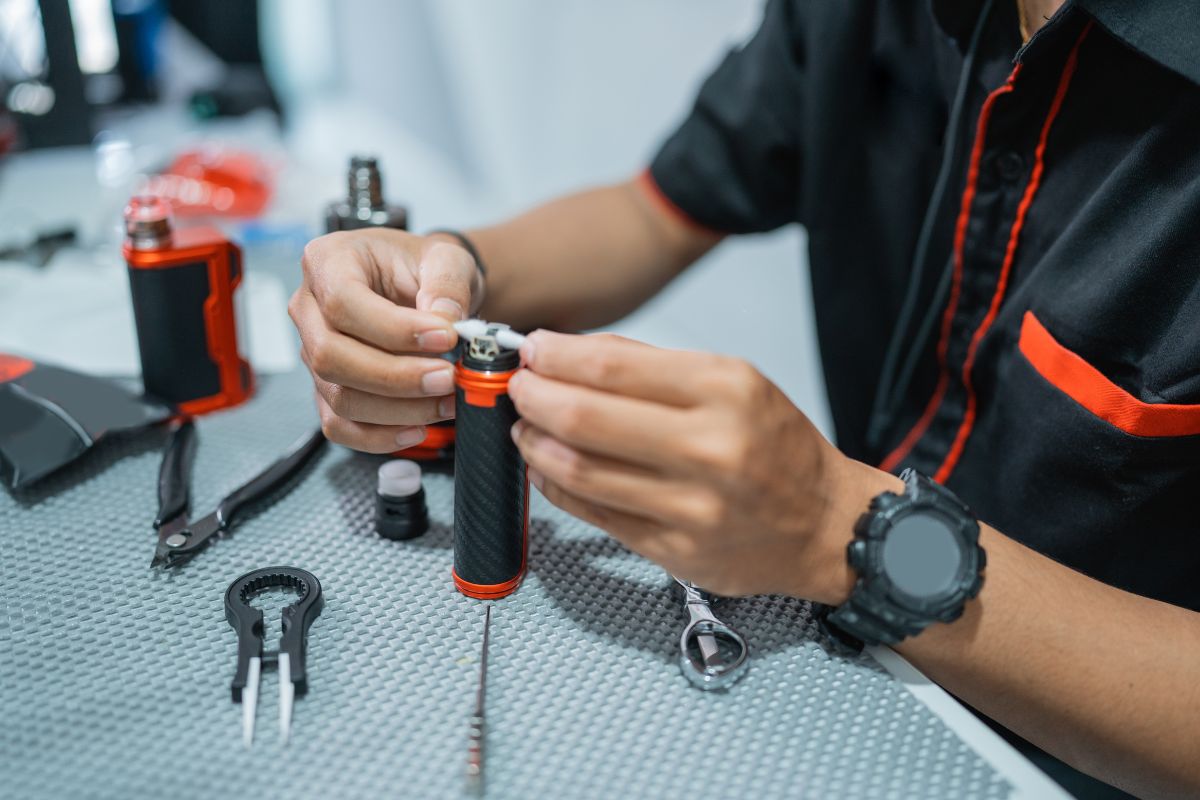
695,461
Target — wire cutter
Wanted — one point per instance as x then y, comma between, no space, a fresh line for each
180,538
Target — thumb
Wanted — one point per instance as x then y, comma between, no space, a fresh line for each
445,275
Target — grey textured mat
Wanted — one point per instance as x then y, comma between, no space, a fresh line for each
114,680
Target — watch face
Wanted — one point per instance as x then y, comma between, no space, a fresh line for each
922,556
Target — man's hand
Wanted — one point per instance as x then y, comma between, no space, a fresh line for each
695,461
374,308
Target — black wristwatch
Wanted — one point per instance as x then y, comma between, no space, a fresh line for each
918,561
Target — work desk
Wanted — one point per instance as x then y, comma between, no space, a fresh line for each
114,678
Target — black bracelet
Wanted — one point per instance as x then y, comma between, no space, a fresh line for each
467,245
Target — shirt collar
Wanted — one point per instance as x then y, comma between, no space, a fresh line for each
1165,31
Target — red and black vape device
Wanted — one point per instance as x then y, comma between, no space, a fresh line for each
183,283
491,490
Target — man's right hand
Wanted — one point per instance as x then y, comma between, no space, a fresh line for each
374,310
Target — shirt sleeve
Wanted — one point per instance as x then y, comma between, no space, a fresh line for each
733,166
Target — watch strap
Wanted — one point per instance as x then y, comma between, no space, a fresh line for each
871,617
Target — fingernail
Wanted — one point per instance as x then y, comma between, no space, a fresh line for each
410,436
447,308
446,407
437,381
535,478
516,429
435,341
527,350
515,382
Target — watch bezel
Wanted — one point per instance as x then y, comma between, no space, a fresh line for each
866,556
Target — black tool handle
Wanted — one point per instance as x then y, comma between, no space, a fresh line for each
175,473
298,617
270,479
490,498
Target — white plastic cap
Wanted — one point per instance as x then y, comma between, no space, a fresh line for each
399,478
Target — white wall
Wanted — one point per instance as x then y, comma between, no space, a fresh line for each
480,109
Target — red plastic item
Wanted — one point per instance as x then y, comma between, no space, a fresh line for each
214,182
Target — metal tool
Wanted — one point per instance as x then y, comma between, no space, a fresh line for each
712,655
179,538
475,736
247,621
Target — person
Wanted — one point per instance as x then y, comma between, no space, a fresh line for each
1001,200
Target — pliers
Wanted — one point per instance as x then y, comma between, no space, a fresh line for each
179,538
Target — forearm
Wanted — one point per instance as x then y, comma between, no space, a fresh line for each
584,260
1105,680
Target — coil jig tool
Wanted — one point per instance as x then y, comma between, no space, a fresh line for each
293,644
179,538
712,655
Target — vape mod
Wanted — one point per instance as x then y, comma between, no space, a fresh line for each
183,284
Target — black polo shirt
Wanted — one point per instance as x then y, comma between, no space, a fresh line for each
1058,388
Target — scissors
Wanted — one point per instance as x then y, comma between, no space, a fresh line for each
712,655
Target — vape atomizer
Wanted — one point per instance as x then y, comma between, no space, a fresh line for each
183,284
491,490
364,206
400,511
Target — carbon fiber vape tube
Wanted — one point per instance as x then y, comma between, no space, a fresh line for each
491,490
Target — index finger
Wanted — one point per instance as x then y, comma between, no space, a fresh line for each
341,274
618,365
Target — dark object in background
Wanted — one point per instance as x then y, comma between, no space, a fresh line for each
289,659
244,89
50,416
183,284
364,206
138,26
67,119
400,510
491,490
180,537
229,28
41,248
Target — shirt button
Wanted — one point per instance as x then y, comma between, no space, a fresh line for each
1010,166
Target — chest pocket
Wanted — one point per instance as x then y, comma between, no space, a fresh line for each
1080,469
1088,387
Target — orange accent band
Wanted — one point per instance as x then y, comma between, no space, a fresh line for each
438,439
497,590
13,367
645,181
1086,385
1035,181
481,389
894,458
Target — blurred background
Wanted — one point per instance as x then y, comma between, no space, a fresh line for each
245,113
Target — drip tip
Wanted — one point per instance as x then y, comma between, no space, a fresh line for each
400,510
147,221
